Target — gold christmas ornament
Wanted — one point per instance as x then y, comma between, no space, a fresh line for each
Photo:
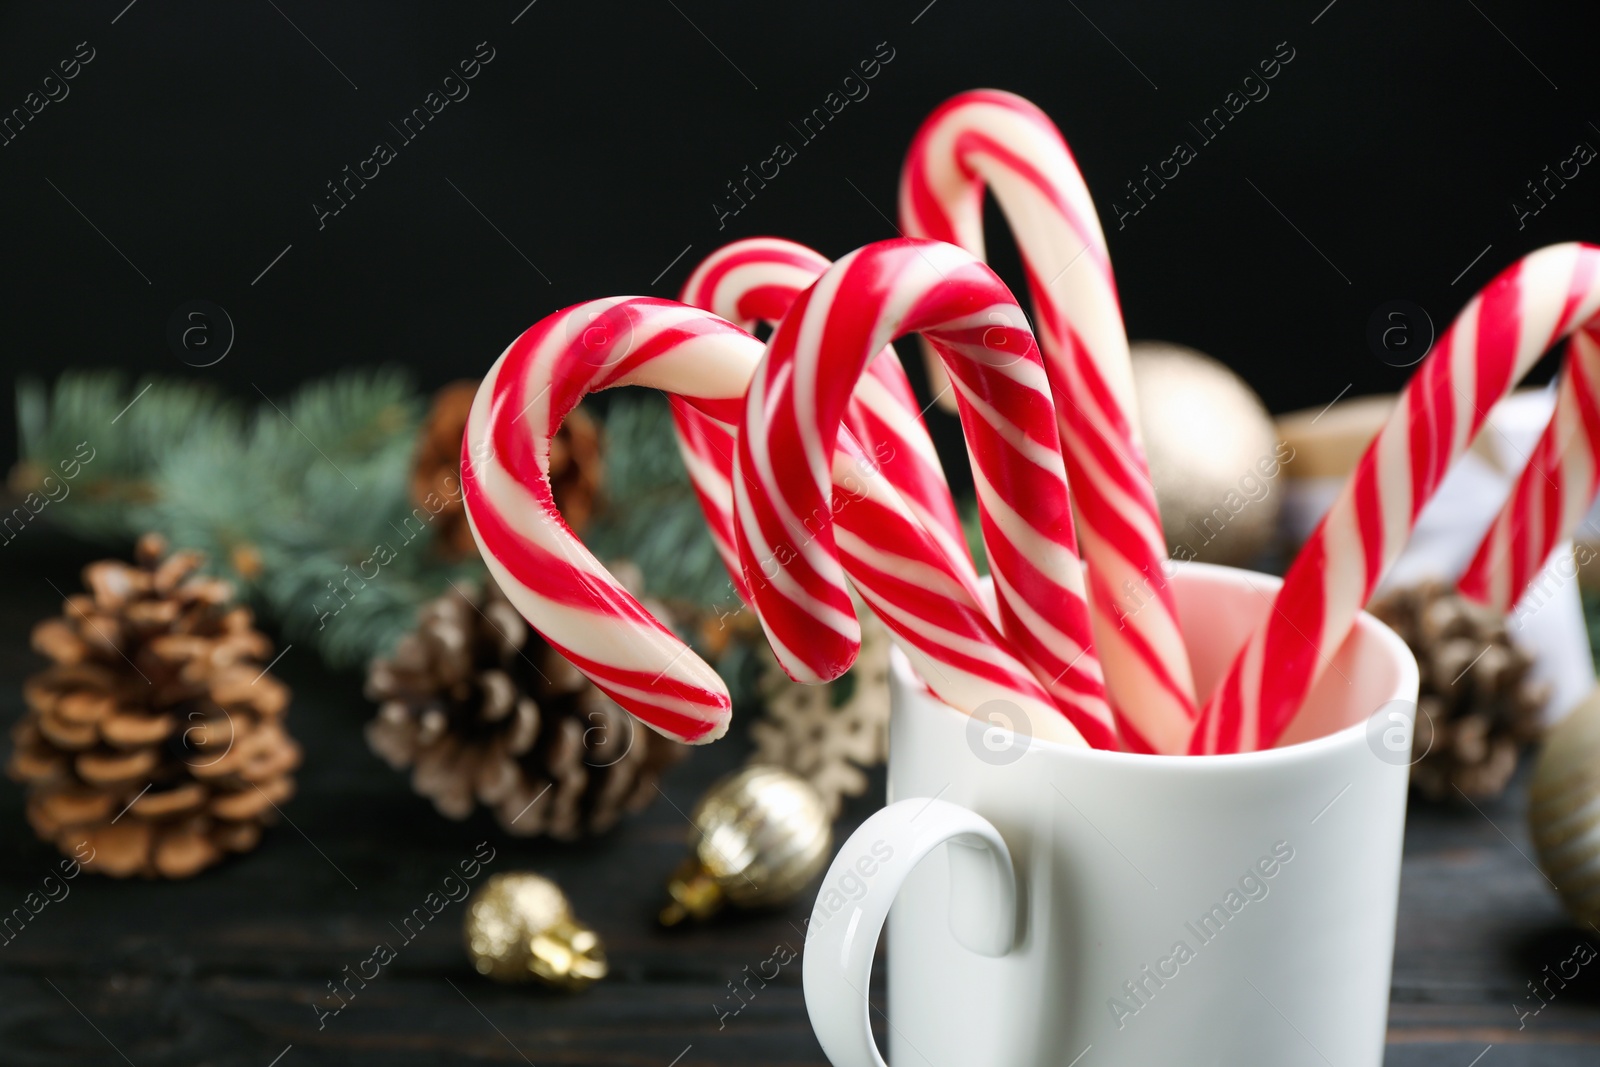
760,836
1564,809
1214,455
519,927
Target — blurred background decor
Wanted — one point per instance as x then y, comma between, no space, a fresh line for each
154,743
482,711
1478,706
1214,455
830,734
520,928
1564,810
758,839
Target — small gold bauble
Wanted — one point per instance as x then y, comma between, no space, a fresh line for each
519,927
1564,809
760,836
1213,454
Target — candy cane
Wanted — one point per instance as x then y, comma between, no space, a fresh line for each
1493,342
1002,141
586,615
909,580
788,435
546,572
939,616
1554,492
756,280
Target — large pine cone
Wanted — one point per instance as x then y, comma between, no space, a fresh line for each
484,711
575,468
1477,705
154,743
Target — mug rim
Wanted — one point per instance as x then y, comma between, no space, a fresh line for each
911,687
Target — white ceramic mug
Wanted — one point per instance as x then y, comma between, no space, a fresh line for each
1098,908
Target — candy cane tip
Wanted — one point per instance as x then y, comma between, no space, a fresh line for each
714,730
829,659
805,674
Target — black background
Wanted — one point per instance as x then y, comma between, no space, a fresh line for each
599,137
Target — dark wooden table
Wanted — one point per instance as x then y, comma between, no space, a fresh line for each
223,970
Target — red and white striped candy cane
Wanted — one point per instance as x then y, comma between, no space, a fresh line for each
1555,490
586,615
1496,338
909,580
546,572
1001,141
756,280
788,435
901,543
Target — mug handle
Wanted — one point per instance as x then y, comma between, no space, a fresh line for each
854,901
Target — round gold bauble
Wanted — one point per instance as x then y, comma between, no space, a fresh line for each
519,927
1564,809
1213,454
760,836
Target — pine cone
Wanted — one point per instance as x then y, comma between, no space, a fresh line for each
575,468
484,711
155,738
1477,706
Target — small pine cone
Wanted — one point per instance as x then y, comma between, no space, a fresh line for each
154,742
1477,706
483,711
575,468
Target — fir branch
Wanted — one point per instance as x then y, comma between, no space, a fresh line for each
305,506
652,516
125,431
320,499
